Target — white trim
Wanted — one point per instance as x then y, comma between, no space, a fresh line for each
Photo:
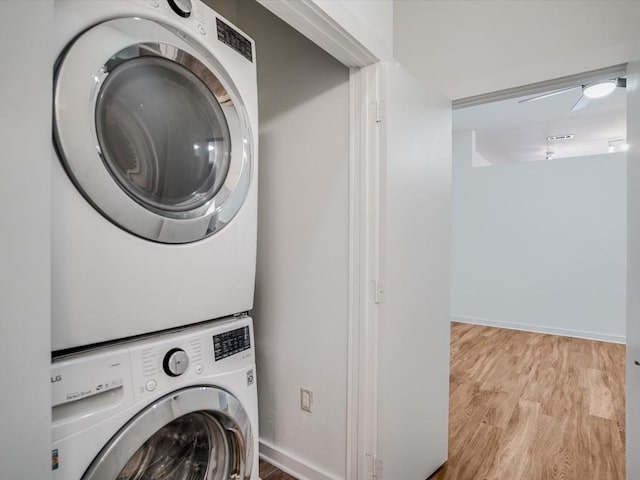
371,266
364,236
364,270
542,87
291,464
315,24
355,272
563,332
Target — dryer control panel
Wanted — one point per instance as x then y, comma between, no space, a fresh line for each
230,36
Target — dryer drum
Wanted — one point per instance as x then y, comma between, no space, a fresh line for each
198,433
193,447
174,162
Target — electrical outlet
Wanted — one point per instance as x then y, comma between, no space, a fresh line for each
306,399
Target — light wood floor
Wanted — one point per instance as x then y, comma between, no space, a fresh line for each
527,406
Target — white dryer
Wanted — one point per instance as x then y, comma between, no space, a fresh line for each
154,185
180,405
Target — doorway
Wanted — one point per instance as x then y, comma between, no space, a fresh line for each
539,246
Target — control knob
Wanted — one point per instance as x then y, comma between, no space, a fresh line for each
181,7
175,362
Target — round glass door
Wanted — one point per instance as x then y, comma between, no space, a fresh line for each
193,447
162,134
198,433
152,130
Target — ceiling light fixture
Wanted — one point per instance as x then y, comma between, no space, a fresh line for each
618,145
599,89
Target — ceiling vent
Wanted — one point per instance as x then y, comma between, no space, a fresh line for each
553,138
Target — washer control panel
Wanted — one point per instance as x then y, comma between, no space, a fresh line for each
231,342
163,362
148,367
175,362
102,373
181,7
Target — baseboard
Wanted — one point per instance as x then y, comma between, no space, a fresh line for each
543,329
291,464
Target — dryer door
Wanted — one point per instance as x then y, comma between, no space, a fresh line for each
152,131
199,433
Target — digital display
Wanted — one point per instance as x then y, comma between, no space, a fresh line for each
231,342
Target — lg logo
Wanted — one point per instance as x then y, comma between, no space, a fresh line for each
57,378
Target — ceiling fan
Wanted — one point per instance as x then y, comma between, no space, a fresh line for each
589,91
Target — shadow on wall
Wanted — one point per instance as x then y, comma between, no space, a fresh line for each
301,303
286,74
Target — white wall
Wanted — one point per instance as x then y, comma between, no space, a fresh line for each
301,302
470,47
25,136
414,330
540,246
302,279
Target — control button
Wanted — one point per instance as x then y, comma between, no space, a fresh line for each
181,7
199,369
151,385
154,3
201,29
175,362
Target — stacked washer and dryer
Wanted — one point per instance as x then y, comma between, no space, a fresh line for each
154,241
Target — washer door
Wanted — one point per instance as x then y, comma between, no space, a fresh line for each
199,433
152,131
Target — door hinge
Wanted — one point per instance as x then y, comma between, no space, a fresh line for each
376,291
378,111
375,466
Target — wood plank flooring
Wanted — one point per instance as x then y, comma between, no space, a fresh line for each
269,472
527,406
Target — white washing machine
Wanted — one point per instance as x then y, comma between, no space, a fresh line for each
180,405
154,184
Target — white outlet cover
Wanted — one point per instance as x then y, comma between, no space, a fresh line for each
306,398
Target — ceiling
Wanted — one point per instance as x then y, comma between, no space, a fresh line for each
464,48
508,131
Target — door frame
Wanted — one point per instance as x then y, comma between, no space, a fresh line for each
365,247
632,386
